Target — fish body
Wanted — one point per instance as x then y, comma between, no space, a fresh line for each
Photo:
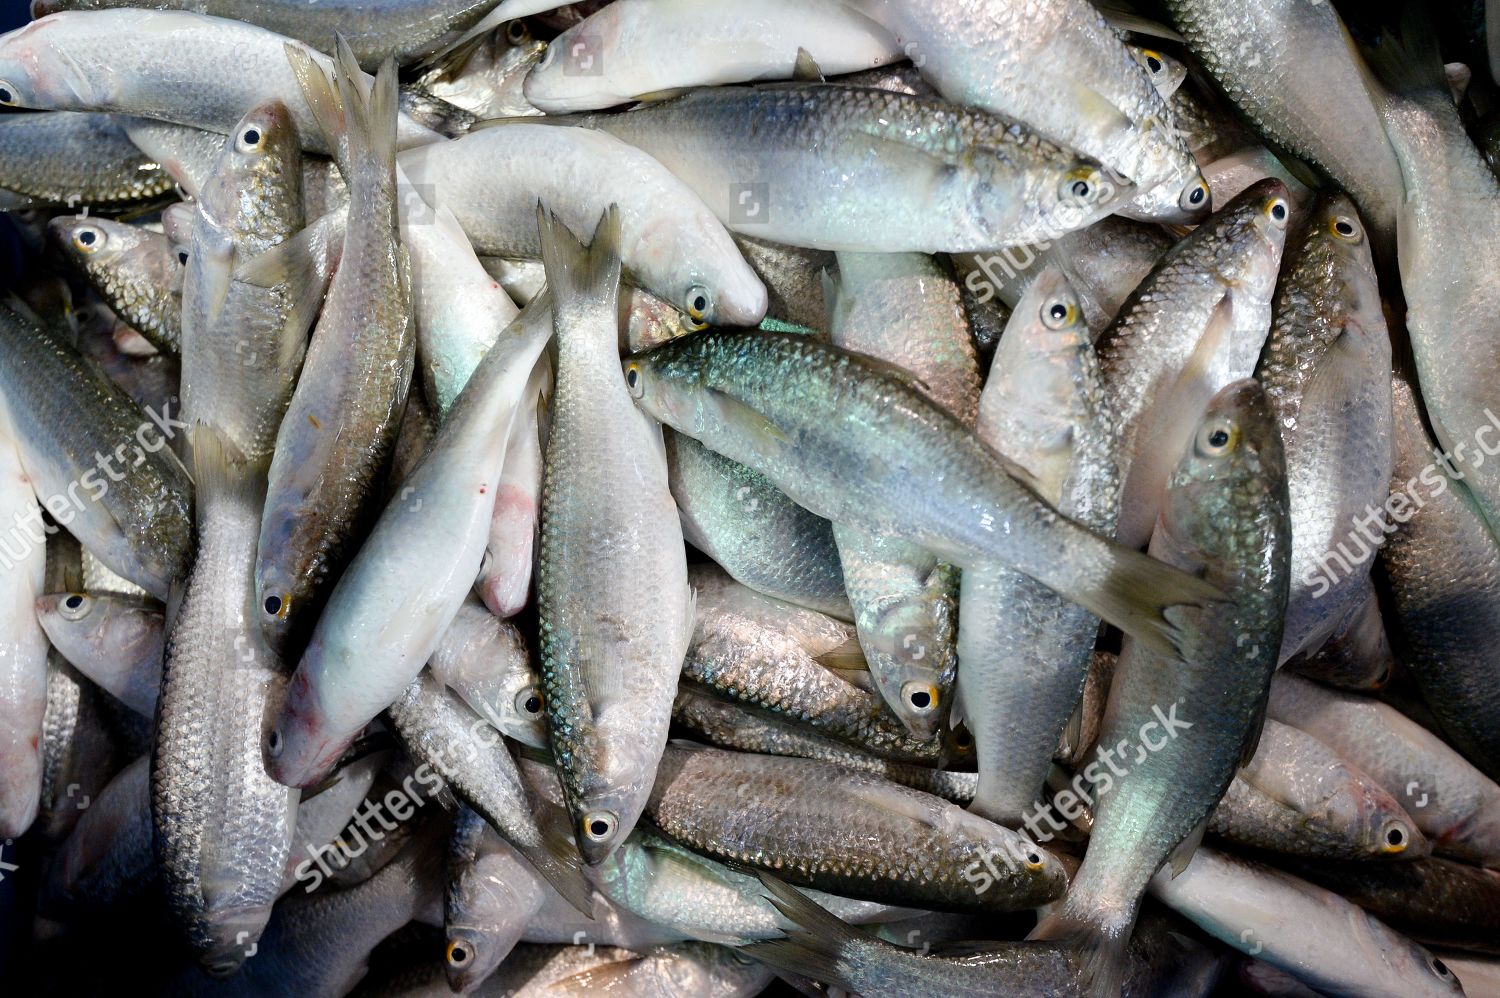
81,160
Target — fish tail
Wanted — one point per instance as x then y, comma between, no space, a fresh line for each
1135,595
220,469
1095,945
590,274
322,98
817,942
1413,65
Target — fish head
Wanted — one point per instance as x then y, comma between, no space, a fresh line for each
523,710
909,644
258,176
648,321
1069,192
122,626
666,390
1183,199
1335,242
470,955
300,746
1360,810
98,245
690,259
232,934
585,67
277,600
614,782
1232,470
1167,74
1249,235
47,65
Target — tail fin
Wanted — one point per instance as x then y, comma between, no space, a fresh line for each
574,271
817,942
356,117
220,470
1414,64
322,100
1095,947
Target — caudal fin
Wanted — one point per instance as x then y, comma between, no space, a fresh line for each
589,275
1095,948
815,944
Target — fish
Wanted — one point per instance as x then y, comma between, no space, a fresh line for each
847,833
1443,564
751,529
339,428
847,168
903,309
107,859
1226,516
405,584
167,65
74,159
867,453
1358,656
1257,909
1325,367
491,895
1194,325
793,279
114,640
454,747
222,825
1298,796
1026,650
772,657
72,427
485,661
625,42
489,80
1459,810
23,679
1452,199
697,967
244,336
403,30
670,242
615,607
1292,70
134,269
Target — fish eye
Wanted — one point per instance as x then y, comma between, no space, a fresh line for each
1153,62
459,955
1345,228
278,605
89,239
529,702
1194,195
182,257
1394,837
698,302
275,744
1439,967
599,826
7,94
1057,314
249,140
920,697
1217,438
1276,209
517,32
1035,860
634,381
75,606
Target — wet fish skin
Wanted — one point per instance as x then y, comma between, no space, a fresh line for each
904,309
485,661
244,339
1291,68
1461,813
114,640
492,894
1446,260
766,654
753,530
339,429
1326,369
490,82
1172,345
1250,906
857,169
614,601
845,832
135,270
504,582
65,415
492,179
74,159
792,278
107,858
1297,796
1225,515
167,65
24,683
866,452
1358,656
1026,650
223,826
1443,564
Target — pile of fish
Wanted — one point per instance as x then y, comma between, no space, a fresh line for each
668,497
